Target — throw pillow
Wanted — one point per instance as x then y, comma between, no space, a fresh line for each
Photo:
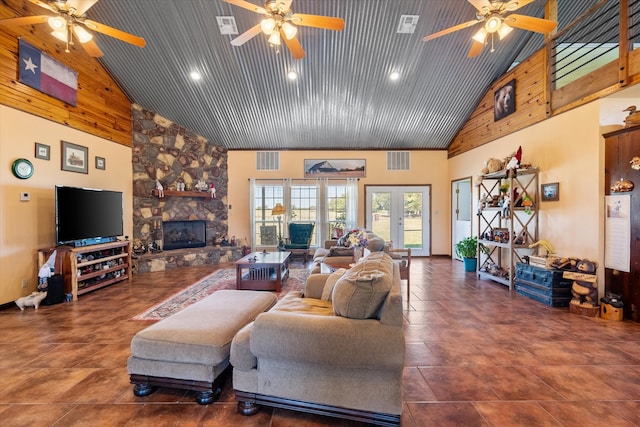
340,251
360,292
330,283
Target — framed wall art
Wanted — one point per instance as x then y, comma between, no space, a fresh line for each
43,151
504,101
335,168
101,163
74,157
550,192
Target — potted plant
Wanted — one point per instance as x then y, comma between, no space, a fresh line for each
467,249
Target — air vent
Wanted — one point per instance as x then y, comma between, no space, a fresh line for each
268,160
227,24
408,24
398,160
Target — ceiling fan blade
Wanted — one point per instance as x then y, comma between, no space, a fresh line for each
245,4
483,6
24,20
529,23
294,45
246,36
475,50
318,21
44,4
114,32
451,30
81,6
515,4
92,48
286,4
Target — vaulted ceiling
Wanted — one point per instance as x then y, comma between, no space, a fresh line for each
343,97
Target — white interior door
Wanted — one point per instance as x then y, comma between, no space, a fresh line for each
461,211
400,214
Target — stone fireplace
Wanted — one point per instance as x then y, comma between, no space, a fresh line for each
168,154
183,234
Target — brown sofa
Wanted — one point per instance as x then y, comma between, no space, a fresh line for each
337,348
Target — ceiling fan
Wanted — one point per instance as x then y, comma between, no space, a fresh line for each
70,21
496,19
280,24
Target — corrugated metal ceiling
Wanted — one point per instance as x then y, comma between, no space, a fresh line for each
342,99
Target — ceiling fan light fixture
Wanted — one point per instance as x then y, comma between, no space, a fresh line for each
268,25
480,36
83,35
57,23
60,35
504,30
290,30
274,38
493,24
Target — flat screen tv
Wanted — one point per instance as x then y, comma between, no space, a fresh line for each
87,216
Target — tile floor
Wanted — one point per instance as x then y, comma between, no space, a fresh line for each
477,355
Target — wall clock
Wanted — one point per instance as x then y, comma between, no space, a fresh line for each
22,168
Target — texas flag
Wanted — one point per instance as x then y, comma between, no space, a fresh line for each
47,75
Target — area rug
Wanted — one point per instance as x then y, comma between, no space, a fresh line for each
220,279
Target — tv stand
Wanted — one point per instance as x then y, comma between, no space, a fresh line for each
88,268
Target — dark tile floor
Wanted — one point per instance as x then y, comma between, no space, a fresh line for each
477,355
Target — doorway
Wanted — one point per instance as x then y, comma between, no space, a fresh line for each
400,214
461,212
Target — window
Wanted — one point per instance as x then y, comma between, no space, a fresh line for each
325,203
337,209
266,225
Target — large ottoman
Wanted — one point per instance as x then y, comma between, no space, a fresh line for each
190,349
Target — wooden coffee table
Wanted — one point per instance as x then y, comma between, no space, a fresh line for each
262,271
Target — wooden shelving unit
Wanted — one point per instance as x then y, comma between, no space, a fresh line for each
520,225
91,267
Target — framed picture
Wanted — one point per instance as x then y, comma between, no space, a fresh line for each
43,151
504,101
101,163
74,158
550,192
334,168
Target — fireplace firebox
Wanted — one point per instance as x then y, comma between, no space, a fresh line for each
184,234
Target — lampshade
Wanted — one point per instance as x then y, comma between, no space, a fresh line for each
60,35
83,35
274,38
492,24
278,209
504,30
289,30
56,22
267,25
480,36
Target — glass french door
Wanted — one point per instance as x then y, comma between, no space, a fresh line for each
400,214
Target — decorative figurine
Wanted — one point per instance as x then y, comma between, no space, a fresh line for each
212,190
160,188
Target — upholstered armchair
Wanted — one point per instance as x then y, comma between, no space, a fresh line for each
299,239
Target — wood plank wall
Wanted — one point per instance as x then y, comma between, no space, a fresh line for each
103,108
530,101
532,105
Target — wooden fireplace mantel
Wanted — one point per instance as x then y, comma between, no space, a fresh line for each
174,193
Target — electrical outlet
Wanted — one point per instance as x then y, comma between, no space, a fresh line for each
25,283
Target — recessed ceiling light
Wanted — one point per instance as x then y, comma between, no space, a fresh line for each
394,76
195,75
292,75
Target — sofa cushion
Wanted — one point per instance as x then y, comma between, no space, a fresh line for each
360,292
333,278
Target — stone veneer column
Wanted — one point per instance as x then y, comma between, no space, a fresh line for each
169,153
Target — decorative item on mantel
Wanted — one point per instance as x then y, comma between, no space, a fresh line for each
633,118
